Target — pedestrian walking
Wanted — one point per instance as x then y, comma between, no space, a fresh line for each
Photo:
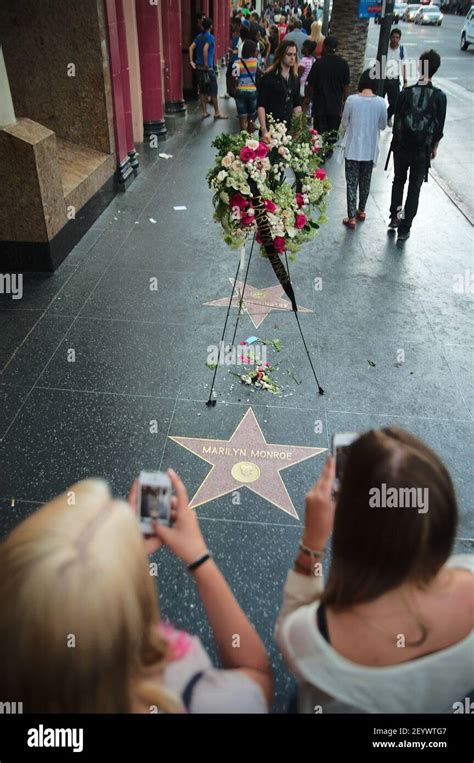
204,45
296,35
279,88
245,72
363,118
318,37
328,86
418,128
395,66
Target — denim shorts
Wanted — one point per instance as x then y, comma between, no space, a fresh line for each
246,103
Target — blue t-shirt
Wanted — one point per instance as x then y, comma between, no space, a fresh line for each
201,40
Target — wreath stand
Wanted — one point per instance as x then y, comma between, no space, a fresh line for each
288,289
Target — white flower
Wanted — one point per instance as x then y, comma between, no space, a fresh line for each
222,176
227,160
250,212
237,165
251,143
224,197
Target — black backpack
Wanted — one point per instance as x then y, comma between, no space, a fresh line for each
416,125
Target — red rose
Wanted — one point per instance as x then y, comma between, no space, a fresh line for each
280,244
237,200
246,219
246,154
320,174
258,238
269,205
262,151
300,221
299,199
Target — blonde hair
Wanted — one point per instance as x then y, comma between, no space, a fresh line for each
78,632
316,33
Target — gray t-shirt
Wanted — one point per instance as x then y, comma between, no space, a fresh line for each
363,118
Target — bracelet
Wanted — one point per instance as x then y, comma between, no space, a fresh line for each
200,560
310,552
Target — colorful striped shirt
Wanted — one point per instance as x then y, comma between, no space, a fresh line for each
245,83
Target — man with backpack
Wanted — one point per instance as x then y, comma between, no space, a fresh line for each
419,123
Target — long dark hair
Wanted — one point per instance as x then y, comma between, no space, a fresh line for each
376,549
280,53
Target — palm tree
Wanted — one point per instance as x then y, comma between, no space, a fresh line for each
351,32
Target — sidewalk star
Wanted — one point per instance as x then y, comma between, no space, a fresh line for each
246,460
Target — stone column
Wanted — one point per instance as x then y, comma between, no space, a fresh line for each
172,43
150,69
124,171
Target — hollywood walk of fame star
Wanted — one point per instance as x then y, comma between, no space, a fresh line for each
246,460
258,303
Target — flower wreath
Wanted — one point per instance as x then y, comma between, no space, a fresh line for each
295,210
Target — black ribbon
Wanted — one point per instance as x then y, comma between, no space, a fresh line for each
264,230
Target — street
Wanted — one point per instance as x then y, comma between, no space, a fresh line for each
453,168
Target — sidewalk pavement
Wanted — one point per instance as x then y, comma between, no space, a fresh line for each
391,338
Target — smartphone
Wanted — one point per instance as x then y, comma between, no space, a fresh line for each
340,443
154,499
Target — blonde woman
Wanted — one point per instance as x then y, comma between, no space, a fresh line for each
318,37
80,630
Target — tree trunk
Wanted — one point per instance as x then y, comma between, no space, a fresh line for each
351,33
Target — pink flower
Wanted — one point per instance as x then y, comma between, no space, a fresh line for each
320,174
266,364
244,359
315,149
237,200
299,199
269,205
246,220
262,151
243,342
280,244
314,132
300,221
246,154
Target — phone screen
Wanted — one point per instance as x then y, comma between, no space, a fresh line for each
341,458
155,504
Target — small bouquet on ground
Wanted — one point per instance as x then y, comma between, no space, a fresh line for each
295,207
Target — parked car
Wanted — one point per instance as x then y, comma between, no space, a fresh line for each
467,34
398,11
429,14
411,12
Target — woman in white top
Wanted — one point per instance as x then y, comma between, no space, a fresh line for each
392,629
81,631
363,117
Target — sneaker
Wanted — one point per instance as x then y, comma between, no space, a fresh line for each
403,235
393,224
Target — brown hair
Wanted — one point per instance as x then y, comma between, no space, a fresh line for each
377,549
280,53
79,627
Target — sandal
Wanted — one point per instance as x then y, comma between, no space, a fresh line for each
349,222
220,116
361,215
